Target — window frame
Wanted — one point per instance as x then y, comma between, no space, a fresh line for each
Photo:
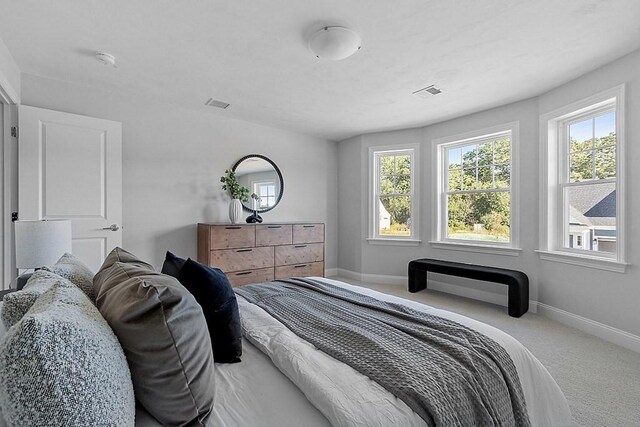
440,175
555,178
374,237
256,190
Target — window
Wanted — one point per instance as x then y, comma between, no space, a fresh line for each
476,197
582,214
393,209
588,180
266,192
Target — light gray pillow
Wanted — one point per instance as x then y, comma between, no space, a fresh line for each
16,304
62,365
164,335
76,271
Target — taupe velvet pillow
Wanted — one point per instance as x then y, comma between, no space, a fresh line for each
164,335
117,255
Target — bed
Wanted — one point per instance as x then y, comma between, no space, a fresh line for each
285,381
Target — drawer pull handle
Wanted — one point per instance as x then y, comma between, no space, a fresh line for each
274,226
243,273
300,246
300,266
244,250
233,228
308,226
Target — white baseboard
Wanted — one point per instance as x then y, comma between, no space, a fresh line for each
330,272
600,330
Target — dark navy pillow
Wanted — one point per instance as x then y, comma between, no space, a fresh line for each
214,293
172,265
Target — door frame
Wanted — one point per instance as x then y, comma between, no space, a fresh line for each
8,180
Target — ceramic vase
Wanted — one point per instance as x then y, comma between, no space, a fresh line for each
235,211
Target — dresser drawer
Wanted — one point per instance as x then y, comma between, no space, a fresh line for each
232,236
273,234
300,270
308,233
260,275
241,259
298,254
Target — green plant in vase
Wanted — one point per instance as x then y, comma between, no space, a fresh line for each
236,191
239,193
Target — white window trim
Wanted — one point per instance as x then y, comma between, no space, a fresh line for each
374,238
550,237
439,224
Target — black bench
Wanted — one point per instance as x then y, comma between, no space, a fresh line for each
517,281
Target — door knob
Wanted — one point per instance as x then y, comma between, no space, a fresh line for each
112,227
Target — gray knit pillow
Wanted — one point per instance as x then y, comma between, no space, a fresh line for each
62,365
76,271
16,304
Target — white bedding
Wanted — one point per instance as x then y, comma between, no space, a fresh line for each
348,398
255,391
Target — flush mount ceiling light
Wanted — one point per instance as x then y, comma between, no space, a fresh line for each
106,59
334,43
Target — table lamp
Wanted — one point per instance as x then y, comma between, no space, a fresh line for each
40,243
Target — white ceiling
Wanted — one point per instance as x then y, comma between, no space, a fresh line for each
253,54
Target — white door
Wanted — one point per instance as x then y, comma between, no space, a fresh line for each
70,167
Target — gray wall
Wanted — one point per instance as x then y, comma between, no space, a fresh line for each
173,159
9,73
605,297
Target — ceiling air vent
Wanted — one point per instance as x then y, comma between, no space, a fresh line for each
428,92
215,103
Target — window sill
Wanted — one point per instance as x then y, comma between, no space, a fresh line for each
393,242
584,260
470,247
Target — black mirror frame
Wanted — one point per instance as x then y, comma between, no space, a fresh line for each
260,156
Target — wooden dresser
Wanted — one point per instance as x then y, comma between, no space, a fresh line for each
252,253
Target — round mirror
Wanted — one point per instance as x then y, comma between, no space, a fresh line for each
263,178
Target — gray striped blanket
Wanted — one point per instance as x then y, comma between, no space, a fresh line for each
449,374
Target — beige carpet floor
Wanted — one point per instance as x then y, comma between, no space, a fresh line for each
600,380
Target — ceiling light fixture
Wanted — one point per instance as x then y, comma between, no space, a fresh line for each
334,43
106,59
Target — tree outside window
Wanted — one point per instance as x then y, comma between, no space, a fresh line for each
478,189
589,189
393,193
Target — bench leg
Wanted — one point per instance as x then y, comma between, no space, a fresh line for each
518,300
417,280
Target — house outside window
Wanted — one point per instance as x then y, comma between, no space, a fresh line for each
588,180
477,198
582,217
393,204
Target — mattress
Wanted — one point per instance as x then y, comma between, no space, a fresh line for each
284,381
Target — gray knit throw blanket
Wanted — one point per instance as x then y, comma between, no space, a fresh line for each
449,374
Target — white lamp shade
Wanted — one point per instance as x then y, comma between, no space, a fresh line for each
334,43
40,243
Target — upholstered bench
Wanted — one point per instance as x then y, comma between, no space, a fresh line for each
517,281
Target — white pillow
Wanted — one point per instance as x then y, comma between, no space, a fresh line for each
77,272
61,364
16,304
